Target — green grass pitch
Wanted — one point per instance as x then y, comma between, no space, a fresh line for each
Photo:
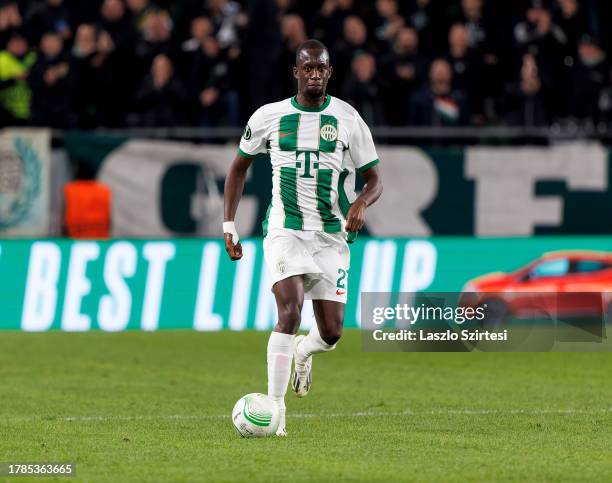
156,407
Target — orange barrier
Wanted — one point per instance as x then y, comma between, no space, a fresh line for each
87,209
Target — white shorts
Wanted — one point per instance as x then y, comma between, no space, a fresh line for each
323,259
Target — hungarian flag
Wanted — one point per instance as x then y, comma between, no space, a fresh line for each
447,108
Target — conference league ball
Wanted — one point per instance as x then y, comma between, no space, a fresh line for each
255,416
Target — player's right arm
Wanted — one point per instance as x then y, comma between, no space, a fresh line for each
232,192
253,142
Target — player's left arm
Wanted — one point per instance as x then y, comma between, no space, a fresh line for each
372,190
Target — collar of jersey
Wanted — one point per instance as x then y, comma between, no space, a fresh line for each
297,105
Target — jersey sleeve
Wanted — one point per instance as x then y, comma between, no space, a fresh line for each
254,141
361,146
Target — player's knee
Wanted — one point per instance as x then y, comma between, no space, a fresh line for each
331,336
289,317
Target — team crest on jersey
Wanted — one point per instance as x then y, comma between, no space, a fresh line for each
329,132
247,132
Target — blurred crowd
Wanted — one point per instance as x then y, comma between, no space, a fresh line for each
114,63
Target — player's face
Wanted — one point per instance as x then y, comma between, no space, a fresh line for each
312,72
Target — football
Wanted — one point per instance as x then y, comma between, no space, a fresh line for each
255,416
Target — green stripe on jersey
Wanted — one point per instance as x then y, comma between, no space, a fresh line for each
365,167
328,136
245,154
288,132
343,200
322,107
288,192
344,203
265,223
331,224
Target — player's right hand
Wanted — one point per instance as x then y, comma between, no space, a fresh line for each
234,251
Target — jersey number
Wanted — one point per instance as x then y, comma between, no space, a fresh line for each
343,273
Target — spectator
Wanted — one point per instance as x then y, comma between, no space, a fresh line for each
467,70
294,33
438,104
92,67
120,79
10,20
355,35
354,41
404,70
490,39
85,65
484,36
140,11
157,29
387,23
15,93
201,28
115,21
160,101
211,80
228,19
590,78
263,46
363,90
49,16
538,32
460,56
571,19
525,103
472,11
307,10
330,20
51,85
539,36
425,19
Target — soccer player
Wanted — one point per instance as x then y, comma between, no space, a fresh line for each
316,143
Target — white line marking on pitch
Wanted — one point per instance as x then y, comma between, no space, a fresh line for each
364,414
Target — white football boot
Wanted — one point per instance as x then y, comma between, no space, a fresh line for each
302,370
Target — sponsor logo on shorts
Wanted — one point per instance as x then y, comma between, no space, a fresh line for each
340,292
281,266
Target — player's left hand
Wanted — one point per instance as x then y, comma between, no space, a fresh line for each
355,219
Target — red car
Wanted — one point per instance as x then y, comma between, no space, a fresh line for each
575,283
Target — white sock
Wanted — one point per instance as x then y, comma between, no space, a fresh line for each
313,343
280,354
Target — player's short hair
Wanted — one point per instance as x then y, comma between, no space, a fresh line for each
310,44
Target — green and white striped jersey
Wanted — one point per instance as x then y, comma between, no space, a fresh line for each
314,155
